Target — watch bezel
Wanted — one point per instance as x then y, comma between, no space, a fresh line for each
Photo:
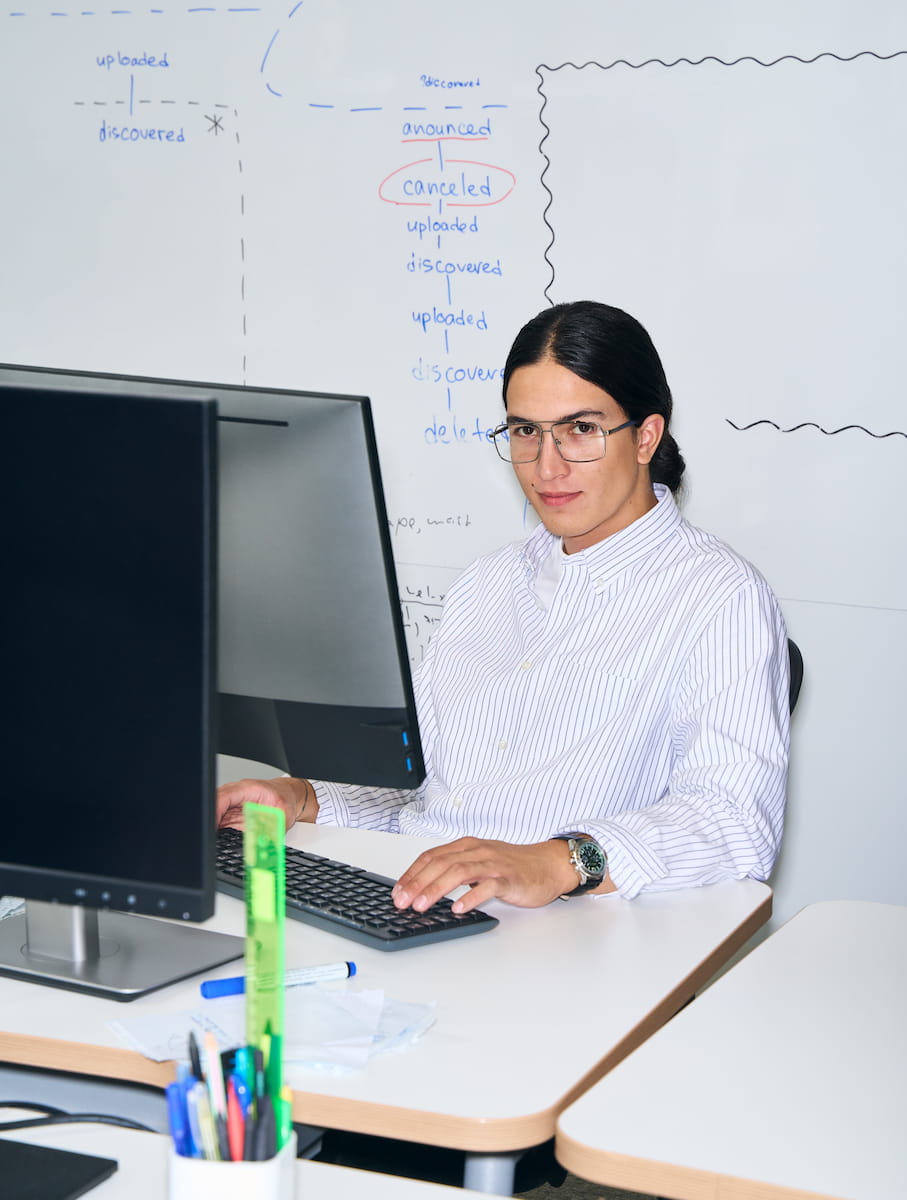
584,847
588,879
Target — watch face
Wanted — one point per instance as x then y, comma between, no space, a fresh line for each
591,858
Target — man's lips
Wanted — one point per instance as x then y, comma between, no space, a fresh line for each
557,499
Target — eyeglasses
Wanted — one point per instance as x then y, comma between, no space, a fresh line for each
577,440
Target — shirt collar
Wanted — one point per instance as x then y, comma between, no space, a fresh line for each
544,560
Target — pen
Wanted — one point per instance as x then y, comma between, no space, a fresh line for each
217,1093
195,1129
244,1070
265,1142
195,1061
235,1122
236,985
214,1076
207,1127
178,1118
284,1114
242,1091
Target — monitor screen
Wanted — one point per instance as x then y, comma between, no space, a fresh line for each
109,536
313,671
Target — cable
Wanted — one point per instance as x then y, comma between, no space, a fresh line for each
58,1116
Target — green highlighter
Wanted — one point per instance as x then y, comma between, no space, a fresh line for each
265,885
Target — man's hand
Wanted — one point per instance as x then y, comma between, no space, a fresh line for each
296,797
527,876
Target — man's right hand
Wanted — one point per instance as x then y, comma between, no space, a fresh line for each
295,797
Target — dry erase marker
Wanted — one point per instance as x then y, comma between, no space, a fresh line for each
234,986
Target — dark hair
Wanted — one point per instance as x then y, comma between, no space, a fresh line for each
609,348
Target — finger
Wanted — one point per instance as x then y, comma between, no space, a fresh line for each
479,893
471,872
422,870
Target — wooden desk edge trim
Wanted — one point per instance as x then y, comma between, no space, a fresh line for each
654,1178
105,1062
673,1003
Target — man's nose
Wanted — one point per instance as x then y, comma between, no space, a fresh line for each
550,460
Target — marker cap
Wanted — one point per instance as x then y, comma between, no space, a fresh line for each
212,988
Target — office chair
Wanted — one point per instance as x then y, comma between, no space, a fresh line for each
796,672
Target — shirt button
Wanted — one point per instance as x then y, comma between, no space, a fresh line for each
457,802
526,666
502,745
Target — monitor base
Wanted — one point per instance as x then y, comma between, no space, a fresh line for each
135,955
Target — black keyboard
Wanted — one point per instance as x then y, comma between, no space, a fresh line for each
349,901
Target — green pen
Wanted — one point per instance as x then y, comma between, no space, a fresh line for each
284,1112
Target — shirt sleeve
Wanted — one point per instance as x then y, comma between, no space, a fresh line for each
723,814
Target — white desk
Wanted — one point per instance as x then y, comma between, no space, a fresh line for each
786,1079
528,1015
142,1171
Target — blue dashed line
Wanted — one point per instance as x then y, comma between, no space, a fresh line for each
130,12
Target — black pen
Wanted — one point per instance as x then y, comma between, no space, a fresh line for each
265,1130
248,1146
195,1059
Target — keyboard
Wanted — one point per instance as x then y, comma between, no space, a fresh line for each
349,901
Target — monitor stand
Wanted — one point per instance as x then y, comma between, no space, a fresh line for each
112,954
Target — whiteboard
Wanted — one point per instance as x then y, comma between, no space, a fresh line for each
372,198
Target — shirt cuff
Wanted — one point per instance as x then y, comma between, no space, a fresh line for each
332,806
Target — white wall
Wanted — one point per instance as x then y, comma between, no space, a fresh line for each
731,173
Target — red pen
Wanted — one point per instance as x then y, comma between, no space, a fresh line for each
235,1123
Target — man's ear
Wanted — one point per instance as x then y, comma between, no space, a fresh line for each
648,434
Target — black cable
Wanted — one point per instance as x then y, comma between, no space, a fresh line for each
27,1104
58,1116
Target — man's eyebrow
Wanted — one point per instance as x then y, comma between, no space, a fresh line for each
584,412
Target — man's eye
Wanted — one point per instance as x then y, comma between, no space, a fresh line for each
583,429
523,431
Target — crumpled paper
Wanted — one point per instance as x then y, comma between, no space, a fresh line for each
326,1027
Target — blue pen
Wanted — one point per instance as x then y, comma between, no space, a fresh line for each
193,1089
244,1067
294,977
185,1081
243,1091
178,1117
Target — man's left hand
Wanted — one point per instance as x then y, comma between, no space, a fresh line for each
527,876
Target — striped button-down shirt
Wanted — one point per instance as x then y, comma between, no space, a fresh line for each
636,691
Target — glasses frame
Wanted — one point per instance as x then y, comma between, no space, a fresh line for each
606,433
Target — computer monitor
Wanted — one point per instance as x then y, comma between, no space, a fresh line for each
109,541
313,674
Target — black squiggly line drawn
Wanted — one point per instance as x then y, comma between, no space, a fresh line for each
692,62
547,207
813,425
697,62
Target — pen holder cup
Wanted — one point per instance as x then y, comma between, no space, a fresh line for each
199,1179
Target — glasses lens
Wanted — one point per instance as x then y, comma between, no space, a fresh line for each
523,443
517,443
580,441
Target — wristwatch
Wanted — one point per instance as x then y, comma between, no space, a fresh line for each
588,859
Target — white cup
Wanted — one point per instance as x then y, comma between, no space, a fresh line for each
200,1179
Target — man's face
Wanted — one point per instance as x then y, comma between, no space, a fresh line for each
582,502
